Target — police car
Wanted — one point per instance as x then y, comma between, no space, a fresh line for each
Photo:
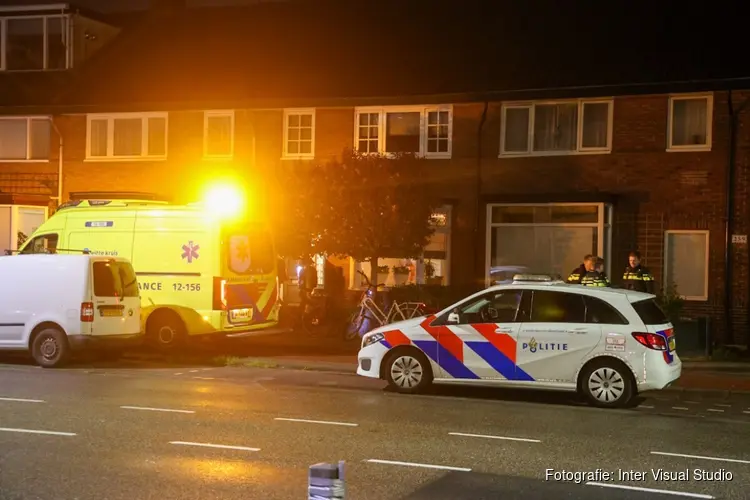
607,344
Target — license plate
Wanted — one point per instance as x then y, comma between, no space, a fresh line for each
110,313
240,314
671,344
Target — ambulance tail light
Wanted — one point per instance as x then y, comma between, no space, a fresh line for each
651,340
87,312
220,294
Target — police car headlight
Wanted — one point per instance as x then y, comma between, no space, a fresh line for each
372,338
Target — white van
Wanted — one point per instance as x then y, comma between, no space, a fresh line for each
54,304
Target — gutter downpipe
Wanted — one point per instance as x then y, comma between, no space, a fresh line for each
59,162
734,115
478,192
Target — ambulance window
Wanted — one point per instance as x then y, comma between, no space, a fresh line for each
127,279
46,243
105,280
251,253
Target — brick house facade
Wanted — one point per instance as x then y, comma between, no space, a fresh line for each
618,182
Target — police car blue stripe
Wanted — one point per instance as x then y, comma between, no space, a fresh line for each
445,359
669,354
386,344
496,359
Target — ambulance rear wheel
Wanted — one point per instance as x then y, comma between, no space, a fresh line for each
50,348
165,330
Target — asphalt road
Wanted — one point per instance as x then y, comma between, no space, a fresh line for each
122,433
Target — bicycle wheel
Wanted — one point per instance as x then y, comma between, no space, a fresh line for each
354,324
411,311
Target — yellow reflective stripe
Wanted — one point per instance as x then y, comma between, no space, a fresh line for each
647,278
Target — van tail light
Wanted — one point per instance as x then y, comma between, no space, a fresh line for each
87,312
220,294
651,340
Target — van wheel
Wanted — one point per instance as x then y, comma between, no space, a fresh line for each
50,348
607,384
165,330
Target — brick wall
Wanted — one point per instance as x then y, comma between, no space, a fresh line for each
655,190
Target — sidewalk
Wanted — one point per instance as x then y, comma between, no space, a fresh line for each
701,376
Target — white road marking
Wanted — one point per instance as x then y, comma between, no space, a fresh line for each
204,378
714,409
646,406
724,405
169,410
21,400
746,412
412,464
210,445
33,431
193,371
325,422
680,408
649,490
701,457
691,402
505,438
180,373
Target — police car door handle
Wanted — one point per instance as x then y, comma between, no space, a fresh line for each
578,330
503,330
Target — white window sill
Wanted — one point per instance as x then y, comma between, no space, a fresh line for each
694,299
425,156
557,153
23,161
298,157
125,158
688,149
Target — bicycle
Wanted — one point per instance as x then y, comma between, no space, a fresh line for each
368,309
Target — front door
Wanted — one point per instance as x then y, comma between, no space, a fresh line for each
115,298
552,345
484,331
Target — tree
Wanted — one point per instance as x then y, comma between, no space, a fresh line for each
361,206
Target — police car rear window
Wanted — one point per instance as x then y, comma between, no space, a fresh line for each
650,312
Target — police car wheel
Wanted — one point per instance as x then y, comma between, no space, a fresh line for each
50,348
408,371
607,384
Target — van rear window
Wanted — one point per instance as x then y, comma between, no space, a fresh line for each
114,279
250,252
650,312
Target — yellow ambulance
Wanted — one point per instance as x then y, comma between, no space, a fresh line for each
200,271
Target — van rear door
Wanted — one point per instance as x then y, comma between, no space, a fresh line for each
116,303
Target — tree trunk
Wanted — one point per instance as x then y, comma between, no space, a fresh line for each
374,271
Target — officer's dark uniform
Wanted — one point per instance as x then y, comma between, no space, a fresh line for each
577,274
595,278
638,278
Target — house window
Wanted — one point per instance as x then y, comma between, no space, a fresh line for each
424,131
34,43
218,134
299,134
23,139
128,136
551,128
690,123
686,263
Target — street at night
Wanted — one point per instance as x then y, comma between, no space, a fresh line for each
121,432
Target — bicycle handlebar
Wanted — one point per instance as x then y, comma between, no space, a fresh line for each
368,282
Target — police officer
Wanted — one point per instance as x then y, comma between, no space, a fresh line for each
597,277
636,277
577,274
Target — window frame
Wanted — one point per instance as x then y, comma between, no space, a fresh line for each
111,117
423,111
580,150
67,38
665,278
285,136
674,148
227,113
28,158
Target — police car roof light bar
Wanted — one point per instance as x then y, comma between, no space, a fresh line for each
533,277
